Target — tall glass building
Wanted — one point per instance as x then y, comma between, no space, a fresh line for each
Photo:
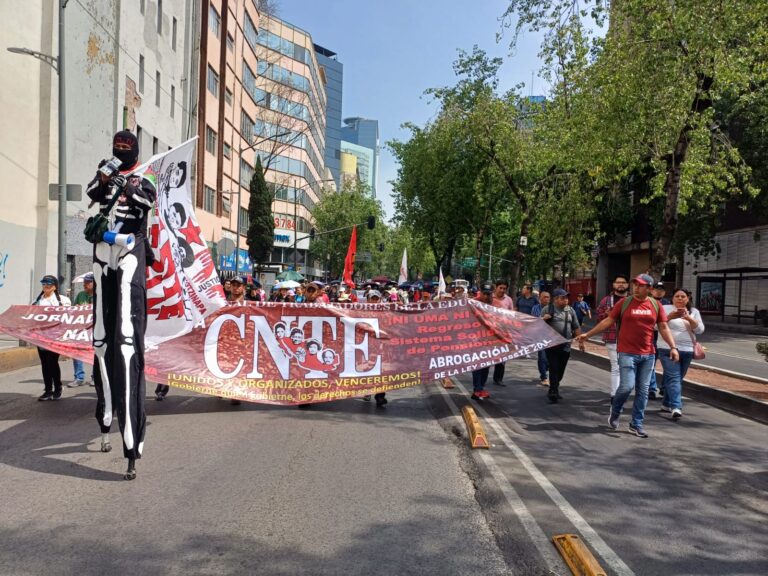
334,76
364,132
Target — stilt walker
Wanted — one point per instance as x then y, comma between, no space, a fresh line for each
120,305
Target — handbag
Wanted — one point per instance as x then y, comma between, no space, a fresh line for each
698,349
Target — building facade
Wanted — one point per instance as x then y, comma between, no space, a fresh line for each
364,132
334,74
363,165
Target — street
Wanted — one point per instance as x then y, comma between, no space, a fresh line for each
346,488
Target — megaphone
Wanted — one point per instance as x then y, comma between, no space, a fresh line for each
127,241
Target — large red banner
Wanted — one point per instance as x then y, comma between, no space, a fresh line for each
279,353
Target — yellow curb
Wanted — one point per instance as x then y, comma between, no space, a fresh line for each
448,383
16,358
477,437
578,557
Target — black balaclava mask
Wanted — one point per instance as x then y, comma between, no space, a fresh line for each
129,158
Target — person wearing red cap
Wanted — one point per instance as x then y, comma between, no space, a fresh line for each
635,318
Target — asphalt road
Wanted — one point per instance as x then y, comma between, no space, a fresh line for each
346,488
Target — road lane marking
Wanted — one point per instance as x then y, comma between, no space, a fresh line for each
535,533
587,532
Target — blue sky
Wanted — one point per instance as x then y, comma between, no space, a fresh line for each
393,50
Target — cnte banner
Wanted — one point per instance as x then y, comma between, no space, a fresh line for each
303,353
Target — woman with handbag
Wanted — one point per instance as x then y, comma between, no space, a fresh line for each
684,322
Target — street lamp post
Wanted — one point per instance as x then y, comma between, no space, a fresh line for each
58,66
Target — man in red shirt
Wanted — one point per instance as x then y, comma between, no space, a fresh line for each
635,320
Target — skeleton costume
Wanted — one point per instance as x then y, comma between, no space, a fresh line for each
120,302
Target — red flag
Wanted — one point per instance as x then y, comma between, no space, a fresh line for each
349,261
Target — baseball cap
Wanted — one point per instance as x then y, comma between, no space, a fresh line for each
486,287
559,292
644,279
49,279
238,279
374,294
659,285
88,277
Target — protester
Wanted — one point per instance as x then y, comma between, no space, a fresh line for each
85,296
237,290
501,300
49,361
543,364
620,288
120,304
658,293
684,322
636,317
526,301
227,288
313,293
562,319
374,297
252,294
582,309
480,377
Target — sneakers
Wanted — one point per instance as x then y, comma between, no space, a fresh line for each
45,396
56,395
499,383
613,420
367,398
665,408
638,431
480,395
76,383
652,395
677,414
381,402
544,382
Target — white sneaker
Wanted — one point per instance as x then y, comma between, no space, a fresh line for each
677,414
75,383
665,408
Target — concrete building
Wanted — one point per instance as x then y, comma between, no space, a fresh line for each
126,65
334,74
262,92
364,132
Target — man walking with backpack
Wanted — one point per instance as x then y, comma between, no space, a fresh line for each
635,318
562,319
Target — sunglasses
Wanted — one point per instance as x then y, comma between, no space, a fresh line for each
47,283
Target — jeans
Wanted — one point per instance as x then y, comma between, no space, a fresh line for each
558,359
543,365
613,356
79,370
498,371
479,378
674,374
635,375
653,387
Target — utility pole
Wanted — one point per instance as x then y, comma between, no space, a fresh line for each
62,240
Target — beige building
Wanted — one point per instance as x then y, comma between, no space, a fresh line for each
261,92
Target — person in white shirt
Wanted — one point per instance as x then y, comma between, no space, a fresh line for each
50,360
684,320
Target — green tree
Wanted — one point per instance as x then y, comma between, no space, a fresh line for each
261,227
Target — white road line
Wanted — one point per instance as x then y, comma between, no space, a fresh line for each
536,534
587,532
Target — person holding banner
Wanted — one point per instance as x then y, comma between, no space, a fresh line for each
126,197
480,377
49,296
501,300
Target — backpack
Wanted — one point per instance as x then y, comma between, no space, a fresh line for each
624,307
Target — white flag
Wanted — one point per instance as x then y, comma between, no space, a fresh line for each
441,284
183,286
403,269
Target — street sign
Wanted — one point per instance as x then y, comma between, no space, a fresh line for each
469,262
363,257
225,247
523,240
74,192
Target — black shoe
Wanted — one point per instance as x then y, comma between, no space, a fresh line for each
303,406
159,397
56,395
476,397
652,395
559,397
45,396
234,402
130,474
499,383
553,398
381,402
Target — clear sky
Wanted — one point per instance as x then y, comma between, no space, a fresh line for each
393,50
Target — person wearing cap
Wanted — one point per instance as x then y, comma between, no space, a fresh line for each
120,303
313,294
541,355
636,317
582,309
49,361
562,319
237,290
480,377
658,293
85,296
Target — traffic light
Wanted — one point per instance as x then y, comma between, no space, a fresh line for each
371,222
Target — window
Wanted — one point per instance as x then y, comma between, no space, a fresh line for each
227,150
209,199
243,221
157,88
155,145
230,42
246,173
228,96
251,34
173,100
213,81
141,73
159,17
246,127
173,33
210,140
214,21
249,83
